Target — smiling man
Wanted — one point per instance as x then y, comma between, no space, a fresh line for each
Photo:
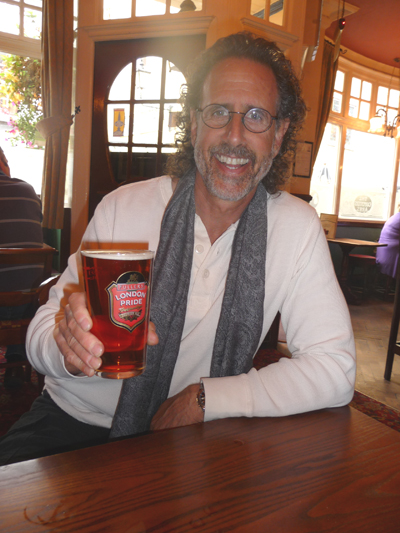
232,250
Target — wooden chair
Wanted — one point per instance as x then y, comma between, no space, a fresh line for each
14,331
367,264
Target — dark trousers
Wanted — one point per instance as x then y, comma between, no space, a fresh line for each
45,430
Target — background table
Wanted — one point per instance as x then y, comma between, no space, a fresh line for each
346,245
335,470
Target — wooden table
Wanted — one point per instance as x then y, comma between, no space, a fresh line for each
347,245
335,470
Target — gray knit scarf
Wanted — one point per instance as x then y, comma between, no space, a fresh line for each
241,320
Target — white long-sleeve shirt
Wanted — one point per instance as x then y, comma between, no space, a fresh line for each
300,283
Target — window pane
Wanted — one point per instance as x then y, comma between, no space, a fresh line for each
149,7
176,6
144,162
337,102
9,19
364,111
366,178
118,160
355,87
32,23
353,108
366,90
257,9
145,123
394,98
121,87
148,78
117,10
323,180
169,123
117,123
37,3
173,81
382,95
339,81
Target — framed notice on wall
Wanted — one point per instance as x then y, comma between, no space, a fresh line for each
303,158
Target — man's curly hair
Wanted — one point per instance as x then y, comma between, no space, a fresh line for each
290,102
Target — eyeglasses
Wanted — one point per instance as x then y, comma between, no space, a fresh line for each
256,120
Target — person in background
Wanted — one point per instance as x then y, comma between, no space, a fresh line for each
20,227
387,256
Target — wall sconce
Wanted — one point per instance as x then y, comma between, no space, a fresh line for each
379,124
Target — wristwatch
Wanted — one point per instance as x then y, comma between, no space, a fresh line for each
201,397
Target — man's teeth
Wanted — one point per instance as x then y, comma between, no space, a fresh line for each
231,160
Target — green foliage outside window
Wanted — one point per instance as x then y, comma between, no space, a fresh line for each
20,84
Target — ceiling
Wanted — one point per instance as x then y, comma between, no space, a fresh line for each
373,31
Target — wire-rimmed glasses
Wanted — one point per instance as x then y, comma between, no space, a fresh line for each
256,120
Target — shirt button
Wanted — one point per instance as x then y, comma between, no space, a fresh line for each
199,249
206,273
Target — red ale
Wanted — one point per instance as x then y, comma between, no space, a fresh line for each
118,286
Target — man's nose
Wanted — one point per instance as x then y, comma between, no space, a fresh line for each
235,130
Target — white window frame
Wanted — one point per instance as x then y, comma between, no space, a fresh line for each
18,44
344,121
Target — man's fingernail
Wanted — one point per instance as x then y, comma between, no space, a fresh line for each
85,325
97,350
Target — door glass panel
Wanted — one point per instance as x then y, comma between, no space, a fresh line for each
366,178
148,78
118,161
144,162
145,123
121,87
323,181
174,79
117,10
117,123
169,122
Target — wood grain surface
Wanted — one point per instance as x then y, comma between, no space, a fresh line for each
334,470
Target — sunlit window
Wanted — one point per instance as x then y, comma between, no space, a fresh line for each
271,10
21,17
123,9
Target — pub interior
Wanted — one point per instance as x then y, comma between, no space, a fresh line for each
333,470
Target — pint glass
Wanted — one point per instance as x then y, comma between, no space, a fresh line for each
118,284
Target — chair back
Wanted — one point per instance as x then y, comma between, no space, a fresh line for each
14,331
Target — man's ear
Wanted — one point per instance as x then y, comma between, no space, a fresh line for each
193,126
279,135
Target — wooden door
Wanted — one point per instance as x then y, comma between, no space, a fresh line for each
135,101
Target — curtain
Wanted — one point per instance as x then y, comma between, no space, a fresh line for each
57,52
327,82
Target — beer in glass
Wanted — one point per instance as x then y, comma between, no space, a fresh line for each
117,284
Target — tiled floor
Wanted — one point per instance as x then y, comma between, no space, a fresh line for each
371,324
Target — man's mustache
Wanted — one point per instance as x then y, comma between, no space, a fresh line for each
233,151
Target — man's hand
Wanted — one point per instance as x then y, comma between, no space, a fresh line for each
179,410
81,349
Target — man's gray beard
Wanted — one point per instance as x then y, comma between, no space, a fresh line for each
204,168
